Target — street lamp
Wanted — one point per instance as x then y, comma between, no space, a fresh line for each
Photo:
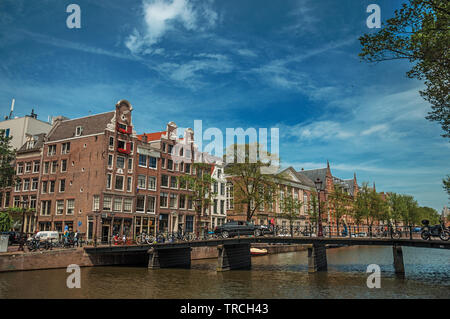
24,204
318,184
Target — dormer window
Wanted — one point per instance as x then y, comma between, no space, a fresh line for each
123,128
78,131
30,144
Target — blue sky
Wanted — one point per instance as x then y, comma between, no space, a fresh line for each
290,64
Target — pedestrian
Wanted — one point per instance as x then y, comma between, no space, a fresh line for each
66,235
76,238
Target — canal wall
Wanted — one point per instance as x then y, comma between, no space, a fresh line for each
61,258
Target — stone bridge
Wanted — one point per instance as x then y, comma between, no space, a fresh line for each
234,253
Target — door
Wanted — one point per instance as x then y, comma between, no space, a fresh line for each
105,233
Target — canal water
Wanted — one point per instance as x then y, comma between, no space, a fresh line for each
272,276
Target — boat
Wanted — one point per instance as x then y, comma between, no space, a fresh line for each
257,251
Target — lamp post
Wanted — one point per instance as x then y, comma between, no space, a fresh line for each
318,184
24,204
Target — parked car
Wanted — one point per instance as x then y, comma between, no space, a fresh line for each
14,237
46,235
362,234
235,228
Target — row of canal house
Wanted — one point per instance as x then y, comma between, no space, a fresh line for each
95,174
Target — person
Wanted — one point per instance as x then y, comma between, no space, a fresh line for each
76,238
66,235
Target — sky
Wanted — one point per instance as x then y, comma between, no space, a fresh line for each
291,65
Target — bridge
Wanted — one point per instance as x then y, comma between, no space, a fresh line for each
234,253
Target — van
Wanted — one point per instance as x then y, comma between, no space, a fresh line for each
47,235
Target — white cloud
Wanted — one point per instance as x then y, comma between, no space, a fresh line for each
317,130
375,129
161,16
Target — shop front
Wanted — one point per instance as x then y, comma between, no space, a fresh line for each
145,224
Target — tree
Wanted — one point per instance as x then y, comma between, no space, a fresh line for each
446,182
252,188
312,210
428,213
419,32
290,209
339,202
199,186
6,221
7,156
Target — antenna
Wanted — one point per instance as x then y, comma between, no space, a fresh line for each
12,109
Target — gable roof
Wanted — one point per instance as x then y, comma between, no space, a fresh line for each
39,142
152,136
313,174
296,177
93,124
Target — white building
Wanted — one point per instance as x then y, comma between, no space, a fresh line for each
218,208
21,127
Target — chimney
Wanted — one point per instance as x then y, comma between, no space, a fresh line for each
145,138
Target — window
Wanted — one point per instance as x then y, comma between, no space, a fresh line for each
182,201
34,184
173,201
164,180
18,186
141,181
215,206
59,207
28,167
51,150
46,207
129,184
70,206
119,183
65,148
189,224
78,131
110,161
140,203
62,185
63,165
170,164
16,201
44,187
152,162
111,142
190,203
52,187
219,173
130,164
108,181
151,202
54,165
163,147
163,200
163,162
222,207
173,182
170,149
127,205
222,188
19,168
230,196
117,204
187,168
46,167
216,188
36,167
121,144
96,203
152,183
142,160
107,203
33,201
305,202
120,162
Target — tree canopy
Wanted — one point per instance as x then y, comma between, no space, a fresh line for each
420,33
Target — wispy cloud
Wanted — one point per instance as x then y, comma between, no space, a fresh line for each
161,16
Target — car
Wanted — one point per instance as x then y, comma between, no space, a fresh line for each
46,235
238,228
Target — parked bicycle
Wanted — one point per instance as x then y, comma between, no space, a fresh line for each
145,238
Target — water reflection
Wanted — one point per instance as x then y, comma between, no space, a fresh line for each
272,276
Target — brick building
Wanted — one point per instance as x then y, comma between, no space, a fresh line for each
87,174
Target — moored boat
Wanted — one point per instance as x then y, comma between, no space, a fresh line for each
257,251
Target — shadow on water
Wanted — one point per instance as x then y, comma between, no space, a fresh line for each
272,276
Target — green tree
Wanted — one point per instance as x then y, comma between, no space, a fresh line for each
312,209
428,213
339,203
200,189
290,209
7,156
253,188
419,32
446,182
6,221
